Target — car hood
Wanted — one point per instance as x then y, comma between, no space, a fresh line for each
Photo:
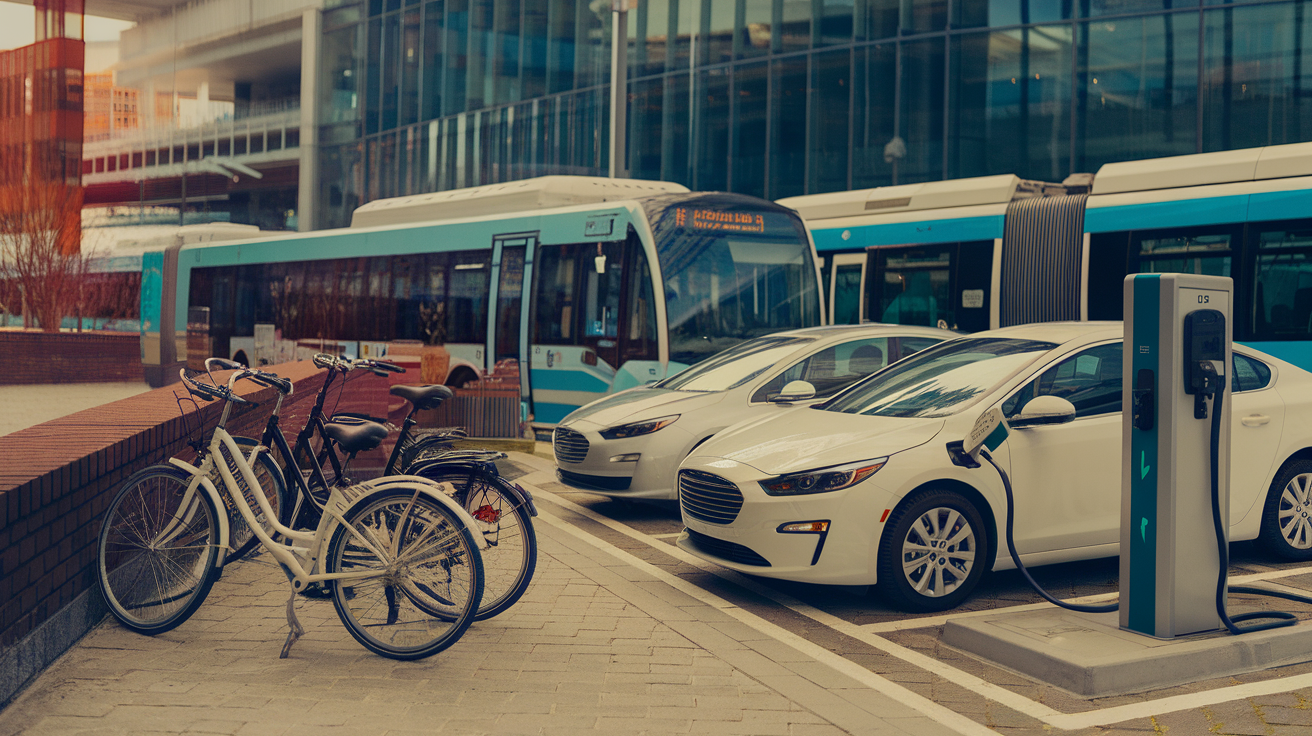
639,403
805,439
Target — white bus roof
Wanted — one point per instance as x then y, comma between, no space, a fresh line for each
1219,167
543,192
979,190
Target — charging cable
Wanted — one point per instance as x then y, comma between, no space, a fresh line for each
1216,387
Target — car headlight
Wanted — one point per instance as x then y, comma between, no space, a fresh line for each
637,429
823,480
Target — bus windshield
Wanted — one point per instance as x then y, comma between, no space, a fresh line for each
732,272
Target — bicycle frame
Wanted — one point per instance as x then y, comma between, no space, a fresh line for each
312,545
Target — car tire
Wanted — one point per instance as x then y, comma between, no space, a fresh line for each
1289,538
933,552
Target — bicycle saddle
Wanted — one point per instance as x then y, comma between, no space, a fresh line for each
423,397
356,437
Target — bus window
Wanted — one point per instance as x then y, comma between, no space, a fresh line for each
575,305
638,331
510,290
466,313
1282,285
946,285
1197,253
848,270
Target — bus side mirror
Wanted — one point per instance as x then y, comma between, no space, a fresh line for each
601,264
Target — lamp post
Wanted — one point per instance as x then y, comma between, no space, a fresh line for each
619,85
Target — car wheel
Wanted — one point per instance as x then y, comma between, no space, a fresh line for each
933,552
1287,516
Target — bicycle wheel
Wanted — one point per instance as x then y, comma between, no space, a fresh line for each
269,475
422,600
157,550
511,556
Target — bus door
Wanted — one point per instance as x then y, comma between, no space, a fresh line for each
845,288
507,336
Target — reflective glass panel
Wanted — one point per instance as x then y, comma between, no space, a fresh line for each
788,128
712,167
831,91
1011,101
1255,83
1138,84
874,107
758,21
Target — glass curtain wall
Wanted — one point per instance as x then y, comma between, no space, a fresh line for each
783,97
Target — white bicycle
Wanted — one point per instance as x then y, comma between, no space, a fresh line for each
404,570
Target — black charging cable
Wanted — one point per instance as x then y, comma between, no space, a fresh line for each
1015,556
1216,386
1282,618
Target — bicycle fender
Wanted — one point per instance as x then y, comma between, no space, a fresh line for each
520,496
433,491
207,486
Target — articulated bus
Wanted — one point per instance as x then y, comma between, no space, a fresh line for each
976,254
571,287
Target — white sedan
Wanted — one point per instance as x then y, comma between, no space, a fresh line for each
629,445
860,490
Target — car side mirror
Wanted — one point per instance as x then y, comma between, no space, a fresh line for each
794,391
1043,411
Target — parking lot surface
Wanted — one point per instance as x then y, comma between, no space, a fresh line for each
623,633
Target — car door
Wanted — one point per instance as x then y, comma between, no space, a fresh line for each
1066,478
1257,413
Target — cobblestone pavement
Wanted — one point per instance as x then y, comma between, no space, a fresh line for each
27,406
616,635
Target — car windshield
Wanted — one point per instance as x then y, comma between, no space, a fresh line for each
940,380
735,366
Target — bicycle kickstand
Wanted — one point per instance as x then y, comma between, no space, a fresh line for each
294,623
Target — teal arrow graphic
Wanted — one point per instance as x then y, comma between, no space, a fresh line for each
1143,530
1144,467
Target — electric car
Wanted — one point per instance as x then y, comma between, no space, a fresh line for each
861,489
629,445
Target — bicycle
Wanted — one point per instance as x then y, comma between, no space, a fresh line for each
404,569
502,508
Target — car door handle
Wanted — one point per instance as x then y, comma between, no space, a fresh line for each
1255,420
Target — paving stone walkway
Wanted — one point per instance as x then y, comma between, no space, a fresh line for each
597,645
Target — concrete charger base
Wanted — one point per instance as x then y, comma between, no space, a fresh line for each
1090,655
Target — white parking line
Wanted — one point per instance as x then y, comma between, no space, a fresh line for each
1015,701
935,712
927,621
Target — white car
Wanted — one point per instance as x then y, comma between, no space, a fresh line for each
629,445
860,490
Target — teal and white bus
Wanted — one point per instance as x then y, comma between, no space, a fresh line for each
575,286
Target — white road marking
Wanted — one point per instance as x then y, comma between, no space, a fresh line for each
935,712
1015,701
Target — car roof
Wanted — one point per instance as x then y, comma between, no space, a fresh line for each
1059,332
869,328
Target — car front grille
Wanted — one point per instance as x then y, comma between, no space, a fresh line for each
731,551
570,446
709,497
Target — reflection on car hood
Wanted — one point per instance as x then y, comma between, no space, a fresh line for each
640,403
805,439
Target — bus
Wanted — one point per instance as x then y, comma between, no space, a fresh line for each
570,287
975,254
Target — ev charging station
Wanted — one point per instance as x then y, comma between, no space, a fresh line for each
1176,357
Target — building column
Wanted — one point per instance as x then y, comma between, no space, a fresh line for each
307,213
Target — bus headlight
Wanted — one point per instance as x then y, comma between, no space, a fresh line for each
823,480
637,429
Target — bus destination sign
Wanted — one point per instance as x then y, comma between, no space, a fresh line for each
738,222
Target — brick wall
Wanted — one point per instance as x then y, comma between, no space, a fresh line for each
28,356
57,478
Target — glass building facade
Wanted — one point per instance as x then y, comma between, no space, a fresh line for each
777,98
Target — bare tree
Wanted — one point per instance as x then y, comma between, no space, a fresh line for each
40,253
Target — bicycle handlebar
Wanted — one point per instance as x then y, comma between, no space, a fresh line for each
346,365
210,393
222,364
